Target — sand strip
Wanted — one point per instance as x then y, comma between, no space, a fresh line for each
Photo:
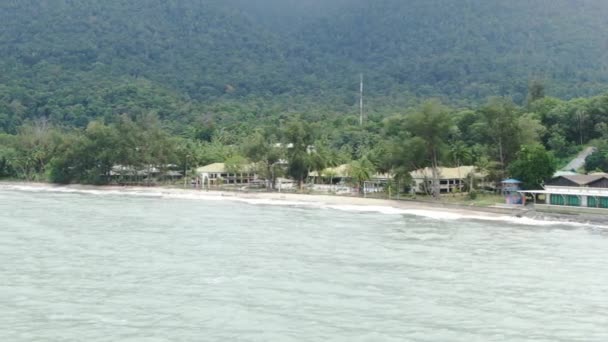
426,209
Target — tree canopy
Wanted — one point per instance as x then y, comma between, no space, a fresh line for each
533,166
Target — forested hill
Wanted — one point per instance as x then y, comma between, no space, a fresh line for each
471,48
197,47
71,53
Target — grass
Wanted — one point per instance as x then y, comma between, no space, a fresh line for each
482,200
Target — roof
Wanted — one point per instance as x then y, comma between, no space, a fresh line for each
446,172
212,168
593,192
564,173
342,171
221,168
583,179
511,181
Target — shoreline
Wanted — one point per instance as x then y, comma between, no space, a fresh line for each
418,208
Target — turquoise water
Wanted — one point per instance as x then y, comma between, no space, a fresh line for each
94,267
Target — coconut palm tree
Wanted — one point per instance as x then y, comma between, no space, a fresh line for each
459,152
360,171
482,166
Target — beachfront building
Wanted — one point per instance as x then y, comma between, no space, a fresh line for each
330,175
123,174
580,191
451,179
340,174
218,174
338,179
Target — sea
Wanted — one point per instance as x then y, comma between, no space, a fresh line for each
144,266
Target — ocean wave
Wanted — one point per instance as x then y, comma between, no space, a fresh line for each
452,216
68,190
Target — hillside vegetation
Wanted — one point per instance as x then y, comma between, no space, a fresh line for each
213,74
309,53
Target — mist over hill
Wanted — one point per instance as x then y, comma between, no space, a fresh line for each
286,52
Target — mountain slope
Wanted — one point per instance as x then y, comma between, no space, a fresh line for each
468,49
201,45
285,53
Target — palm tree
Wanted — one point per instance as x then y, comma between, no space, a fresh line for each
431,125
458,153
320,159
360,171
329,173
482,166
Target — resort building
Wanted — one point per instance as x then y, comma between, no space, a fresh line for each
341,174
451,179
338,179
582,191
148,173
218,174
331,175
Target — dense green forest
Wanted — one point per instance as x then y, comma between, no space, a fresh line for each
185,82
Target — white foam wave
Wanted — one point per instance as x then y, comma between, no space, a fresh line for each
58,189
218,196
451,216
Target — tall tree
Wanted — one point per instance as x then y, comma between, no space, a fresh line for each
431,124
7,158
459,153
361,171
533,166
536,91
264,149
597,161
298,137
499,123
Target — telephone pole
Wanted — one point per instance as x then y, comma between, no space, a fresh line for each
361,101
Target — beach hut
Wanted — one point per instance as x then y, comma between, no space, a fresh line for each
511,190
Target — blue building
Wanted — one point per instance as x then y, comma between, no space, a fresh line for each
511,190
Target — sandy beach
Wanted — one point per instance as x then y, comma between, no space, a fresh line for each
426,209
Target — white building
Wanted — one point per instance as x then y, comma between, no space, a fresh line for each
580,191
218,174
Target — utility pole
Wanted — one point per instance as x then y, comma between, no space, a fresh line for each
186,172
361,101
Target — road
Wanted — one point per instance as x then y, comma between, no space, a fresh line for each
579,161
